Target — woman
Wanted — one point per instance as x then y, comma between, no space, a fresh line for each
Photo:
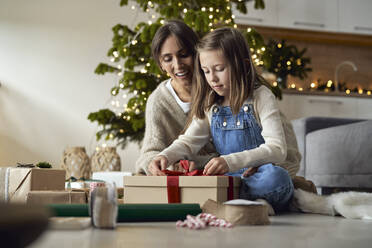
173,48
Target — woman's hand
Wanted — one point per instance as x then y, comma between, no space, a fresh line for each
158,164
216,166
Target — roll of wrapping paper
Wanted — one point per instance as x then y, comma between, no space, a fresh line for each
133,212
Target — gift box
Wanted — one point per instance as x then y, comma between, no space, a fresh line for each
56,197
111,177
180,189
15,183
88,184
83,184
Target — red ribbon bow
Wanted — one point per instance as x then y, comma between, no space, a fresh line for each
173,190
185,164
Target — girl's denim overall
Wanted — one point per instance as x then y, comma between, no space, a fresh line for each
236,133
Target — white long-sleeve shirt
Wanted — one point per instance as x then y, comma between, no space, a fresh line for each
276,131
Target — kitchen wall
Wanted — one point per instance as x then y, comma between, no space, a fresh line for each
48,52
325,58
327,50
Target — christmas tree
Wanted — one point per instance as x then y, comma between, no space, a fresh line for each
138,72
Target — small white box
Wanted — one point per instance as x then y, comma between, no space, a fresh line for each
116,177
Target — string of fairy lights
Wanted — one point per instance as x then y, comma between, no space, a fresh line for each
120,107
327,88
119,104
119,101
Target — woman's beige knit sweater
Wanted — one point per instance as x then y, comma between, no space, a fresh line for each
165,120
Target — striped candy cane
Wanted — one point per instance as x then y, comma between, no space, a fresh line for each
201,221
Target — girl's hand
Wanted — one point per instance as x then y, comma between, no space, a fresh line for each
157,164
250,171
216,166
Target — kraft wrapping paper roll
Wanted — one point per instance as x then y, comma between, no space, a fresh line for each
133,212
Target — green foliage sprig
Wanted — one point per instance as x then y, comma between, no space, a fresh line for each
283,60
44,165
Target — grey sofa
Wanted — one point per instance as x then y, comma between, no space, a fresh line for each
336,152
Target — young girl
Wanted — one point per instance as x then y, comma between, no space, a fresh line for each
232,107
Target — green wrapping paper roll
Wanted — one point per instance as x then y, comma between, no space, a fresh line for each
133,212
156,212
69,210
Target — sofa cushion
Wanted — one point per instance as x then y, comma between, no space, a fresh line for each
306,125
340,156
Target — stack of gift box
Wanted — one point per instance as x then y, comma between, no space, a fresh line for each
37,186
47,186
141,194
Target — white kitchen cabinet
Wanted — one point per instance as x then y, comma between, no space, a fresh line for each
315,15
364,108
355,16
258,17
321,15
296,106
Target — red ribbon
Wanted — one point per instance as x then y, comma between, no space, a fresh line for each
173,190
230,189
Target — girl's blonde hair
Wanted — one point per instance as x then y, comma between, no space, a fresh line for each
243,76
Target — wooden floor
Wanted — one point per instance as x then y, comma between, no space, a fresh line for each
289,230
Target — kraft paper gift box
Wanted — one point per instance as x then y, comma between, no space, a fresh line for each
56,197
15,182
191,189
